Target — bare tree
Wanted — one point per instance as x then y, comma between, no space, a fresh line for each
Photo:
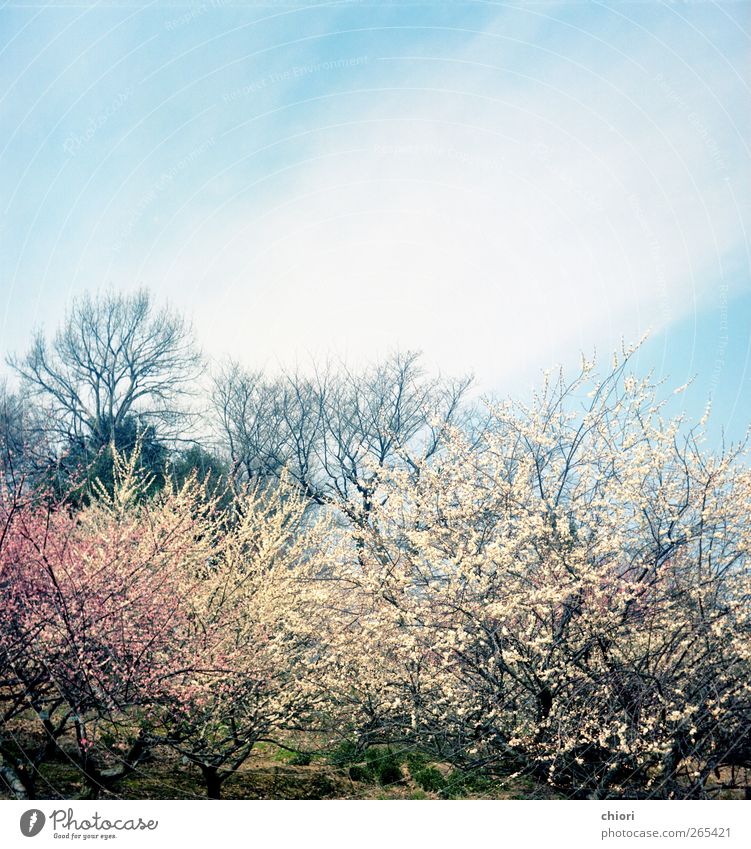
24,450
270,425
115,356
334,433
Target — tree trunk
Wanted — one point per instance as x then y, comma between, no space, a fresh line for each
14,781
98,779
544,704
213,781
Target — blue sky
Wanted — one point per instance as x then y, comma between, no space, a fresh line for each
501,185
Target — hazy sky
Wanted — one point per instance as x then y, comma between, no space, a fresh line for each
500,185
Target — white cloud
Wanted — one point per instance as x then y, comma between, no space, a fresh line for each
497,223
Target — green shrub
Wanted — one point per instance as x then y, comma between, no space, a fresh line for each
430,779
460,783
423,773
416,761
384,765
346,753
360,772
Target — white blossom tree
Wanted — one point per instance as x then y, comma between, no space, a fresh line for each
569,598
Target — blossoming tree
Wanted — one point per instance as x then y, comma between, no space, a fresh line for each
568,597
